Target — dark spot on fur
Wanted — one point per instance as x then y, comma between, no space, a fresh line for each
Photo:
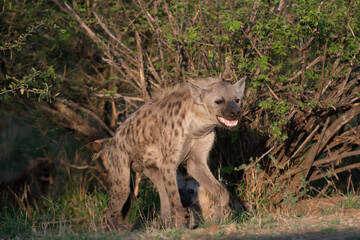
152,165
183,115
172,125
121,131
179,123
179,104
169,183
138,121
176,133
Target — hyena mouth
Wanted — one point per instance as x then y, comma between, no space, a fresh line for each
227,123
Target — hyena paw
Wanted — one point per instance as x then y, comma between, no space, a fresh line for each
114,224
179,222
222,213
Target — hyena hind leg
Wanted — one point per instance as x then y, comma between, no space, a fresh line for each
119,194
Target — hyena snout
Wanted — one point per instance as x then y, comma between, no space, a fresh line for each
229,116
187,197
233,112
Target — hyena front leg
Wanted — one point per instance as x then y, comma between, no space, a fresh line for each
119,175
197,167
176,208
156,178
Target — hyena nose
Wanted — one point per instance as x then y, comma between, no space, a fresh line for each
235,113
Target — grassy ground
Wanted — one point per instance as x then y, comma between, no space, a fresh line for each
77,202
79,215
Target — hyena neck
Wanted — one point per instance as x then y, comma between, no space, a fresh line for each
201,122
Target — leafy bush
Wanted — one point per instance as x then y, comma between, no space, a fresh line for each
95,62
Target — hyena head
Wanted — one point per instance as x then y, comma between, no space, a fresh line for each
221,100
188,190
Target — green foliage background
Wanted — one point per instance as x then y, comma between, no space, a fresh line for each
80,65
46,52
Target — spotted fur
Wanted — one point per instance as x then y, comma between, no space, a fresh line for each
178,127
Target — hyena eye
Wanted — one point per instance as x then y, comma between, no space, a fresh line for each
219,101
237,100
191,191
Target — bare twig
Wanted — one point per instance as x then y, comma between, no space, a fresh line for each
306,141
338,123
339,170
313,63
102,124
328,160
352,32
308,161
117,95
141,66
322,70
106,29
272,93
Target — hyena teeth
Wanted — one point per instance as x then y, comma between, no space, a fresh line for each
228,123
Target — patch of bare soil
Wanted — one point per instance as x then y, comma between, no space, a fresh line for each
340,225
311,219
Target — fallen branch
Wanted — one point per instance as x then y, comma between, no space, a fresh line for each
339,170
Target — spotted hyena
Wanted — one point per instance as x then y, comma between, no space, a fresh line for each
176,128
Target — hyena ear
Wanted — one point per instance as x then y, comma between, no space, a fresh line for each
197,92
179,179
240,86
179,176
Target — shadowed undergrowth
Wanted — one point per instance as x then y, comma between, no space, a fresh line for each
76,69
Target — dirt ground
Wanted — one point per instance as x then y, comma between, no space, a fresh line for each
318,219
311,219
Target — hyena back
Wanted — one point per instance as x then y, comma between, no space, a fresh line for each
176,128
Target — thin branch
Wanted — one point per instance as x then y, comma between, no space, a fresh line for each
323,69
339,170
117,95
102,124
328,160
141,66
306,141
313,63
352,32
308,161
106,29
